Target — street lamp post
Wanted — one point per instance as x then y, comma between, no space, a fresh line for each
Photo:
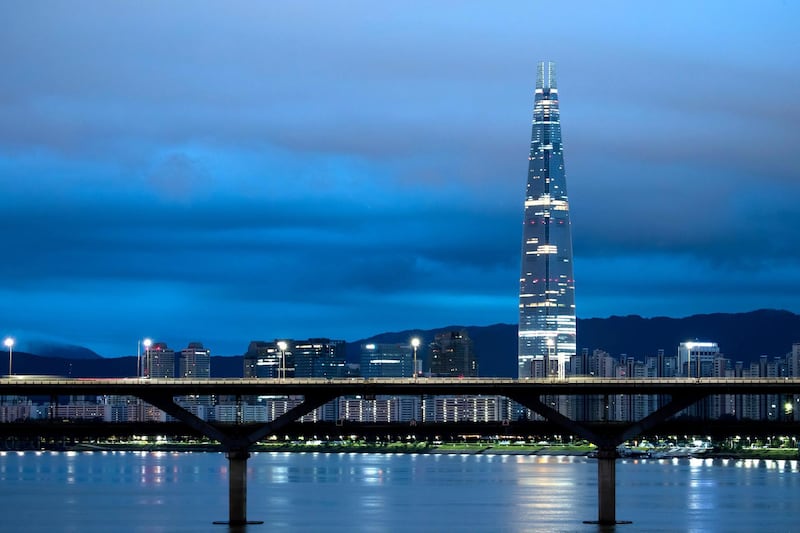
147,344
415,345
282,370
9,343
139,358
550,344
698,365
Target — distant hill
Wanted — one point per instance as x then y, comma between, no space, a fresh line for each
112,367
741,337
25,363
66,351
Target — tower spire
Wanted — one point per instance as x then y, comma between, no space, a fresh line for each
546,75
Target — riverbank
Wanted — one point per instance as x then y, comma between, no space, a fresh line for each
345,447
446,448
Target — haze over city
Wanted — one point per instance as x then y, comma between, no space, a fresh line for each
222,173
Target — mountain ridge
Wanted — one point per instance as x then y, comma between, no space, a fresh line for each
741,337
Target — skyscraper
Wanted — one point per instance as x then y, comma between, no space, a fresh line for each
696,359
160,361
452,353
312,358
547,287
318,358
387,360
195,361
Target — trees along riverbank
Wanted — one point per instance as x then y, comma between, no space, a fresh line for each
444,448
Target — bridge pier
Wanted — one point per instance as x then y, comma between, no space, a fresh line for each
237,446
607,488
606,458
237,489
237,486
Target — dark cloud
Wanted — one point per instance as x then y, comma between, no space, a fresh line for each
259,170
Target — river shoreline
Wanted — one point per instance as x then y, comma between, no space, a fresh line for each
466,449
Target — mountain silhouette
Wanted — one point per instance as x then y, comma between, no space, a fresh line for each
741,337
54,349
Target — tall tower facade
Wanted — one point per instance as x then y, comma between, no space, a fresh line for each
159,361
547,286
195,361
387,360
452,353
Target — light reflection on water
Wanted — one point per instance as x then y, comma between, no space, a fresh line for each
140,491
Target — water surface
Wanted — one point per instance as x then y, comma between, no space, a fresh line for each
172,492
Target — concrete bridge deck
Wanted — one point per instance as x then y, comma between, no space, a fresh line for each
48,385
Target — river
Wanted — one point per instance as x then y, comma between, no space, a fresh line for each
348,492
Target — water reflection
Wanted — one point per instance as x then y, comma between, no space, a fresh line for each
392,492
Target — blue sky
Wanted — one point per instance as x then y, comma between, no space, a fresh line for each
225,172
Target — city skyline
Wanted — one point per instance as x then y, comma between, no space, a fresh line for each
288,171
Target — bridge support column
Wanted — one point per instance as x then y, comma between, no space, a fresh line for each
237,489
237,486
607,486
236,445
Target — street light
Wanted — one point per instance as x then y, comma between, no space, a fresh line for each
147,344
139,358
282,370
415,344
9,343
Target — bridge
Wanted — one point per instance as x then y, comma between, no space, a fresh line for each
161,393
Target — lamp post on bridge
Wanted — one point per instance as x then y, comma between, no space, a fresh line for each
139,357
282,370
9,343
147,343
415,345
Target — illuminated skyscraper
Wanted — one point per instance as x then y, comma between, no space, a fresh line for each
696,359
195,361
159,361
547,287
452,353
312,358
387,360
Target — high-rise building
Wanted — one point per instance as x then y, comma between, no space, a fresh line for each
312,358
318,358
195,361
452,354
696,359
547,287
387,360
702,359
159,361
262,360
